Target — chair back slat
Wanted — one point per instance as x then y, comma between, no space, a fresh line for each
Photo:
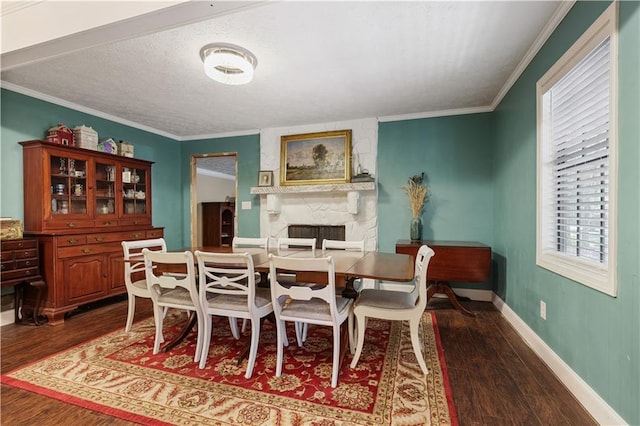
297,243
353,245
226,273
250,242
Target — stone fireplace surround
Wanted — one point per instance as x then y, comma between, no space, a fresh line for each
322,204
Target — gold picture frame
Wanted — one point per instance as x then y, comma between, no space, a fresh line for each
315,158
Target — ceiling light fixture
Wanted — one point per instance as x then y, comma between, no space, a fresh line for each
228,63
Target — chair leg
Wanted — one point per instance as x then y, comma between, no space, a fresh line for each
280,333
414,325
350,325
244,325
157,316
253,350
130,311
233,323
206,341
336,356
299,327
361,324
201,327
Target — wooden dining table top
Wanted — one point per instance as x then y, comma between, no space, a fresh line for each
352,264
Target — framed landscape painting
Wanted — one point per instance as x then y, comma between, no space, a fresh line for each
315,158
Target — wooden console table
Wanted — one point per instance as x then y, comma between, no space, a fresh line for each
454,261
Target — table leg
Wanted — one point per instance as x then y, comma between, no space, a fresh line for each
445,288
39,286
193,318
349,291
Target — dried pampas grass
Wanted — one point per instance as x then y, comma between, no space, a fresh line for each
418,193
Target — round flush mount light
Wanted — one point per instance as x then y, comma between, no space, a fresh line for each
228,63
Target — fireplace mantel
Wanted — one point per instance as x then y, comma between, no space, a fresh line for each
298,189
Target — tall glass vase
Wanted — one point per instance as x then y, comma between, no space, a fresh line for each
415,231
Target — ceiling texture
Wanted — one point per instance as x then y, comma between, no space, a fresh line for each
318,62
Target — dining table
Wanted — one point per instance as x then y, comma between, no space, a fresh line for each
349,266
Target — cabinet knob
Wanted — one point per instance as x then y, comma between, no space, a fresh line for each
27,263
86,250
72,241
106,223
71,225
137,235
99,239
26,253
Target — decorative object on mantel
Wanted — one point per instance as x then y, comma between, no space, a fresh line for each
315,158
265,178
86,137
61,134
418,193
363,176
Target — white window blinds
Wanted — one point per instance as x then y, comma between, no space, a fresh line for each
576,229
578,116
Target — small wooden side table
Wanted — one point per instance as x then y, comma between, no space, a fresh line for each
20,267
454,261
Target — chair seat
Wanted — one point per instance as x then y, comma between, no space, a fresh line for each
385,299
314,309
141,284
176,296
234,302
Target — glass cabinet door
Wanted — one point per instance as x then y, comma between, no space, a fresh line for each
68,186
105,184
134,191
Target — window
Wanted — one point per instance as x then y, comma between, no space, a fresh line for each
577,159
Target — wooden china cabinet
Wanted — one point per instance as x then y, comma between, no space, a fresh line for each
80,204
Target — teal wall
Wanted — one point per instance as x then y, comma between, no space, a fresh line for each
26,118
597,335
247,149
456,155
481,169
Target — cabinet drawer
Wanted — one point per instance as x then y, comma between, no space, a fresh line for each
7,265
154,233
71,240
106,223
108,237
88,249
135,222
26,254
18,244
69,224
27,263
20,273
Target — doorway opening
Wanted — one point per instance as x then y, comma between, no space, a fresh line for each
214,186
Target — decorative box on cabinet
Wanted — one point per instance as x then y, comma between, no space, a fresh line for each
218,224
80,204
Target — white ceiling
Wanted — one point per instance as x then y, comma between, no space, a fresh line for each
317,62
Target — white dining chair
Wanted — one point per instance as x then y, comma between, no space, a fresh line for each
396,306
134,276
239,242
286,243
306,304
227,287
247,242
171,290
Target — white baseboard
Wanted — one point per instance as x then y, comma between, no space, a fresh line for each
7,317
590,400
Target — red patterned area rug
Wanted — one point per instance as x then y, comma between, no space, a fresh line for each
118,374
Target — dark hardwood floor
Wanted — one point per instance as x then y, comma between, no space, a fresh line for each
495,378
